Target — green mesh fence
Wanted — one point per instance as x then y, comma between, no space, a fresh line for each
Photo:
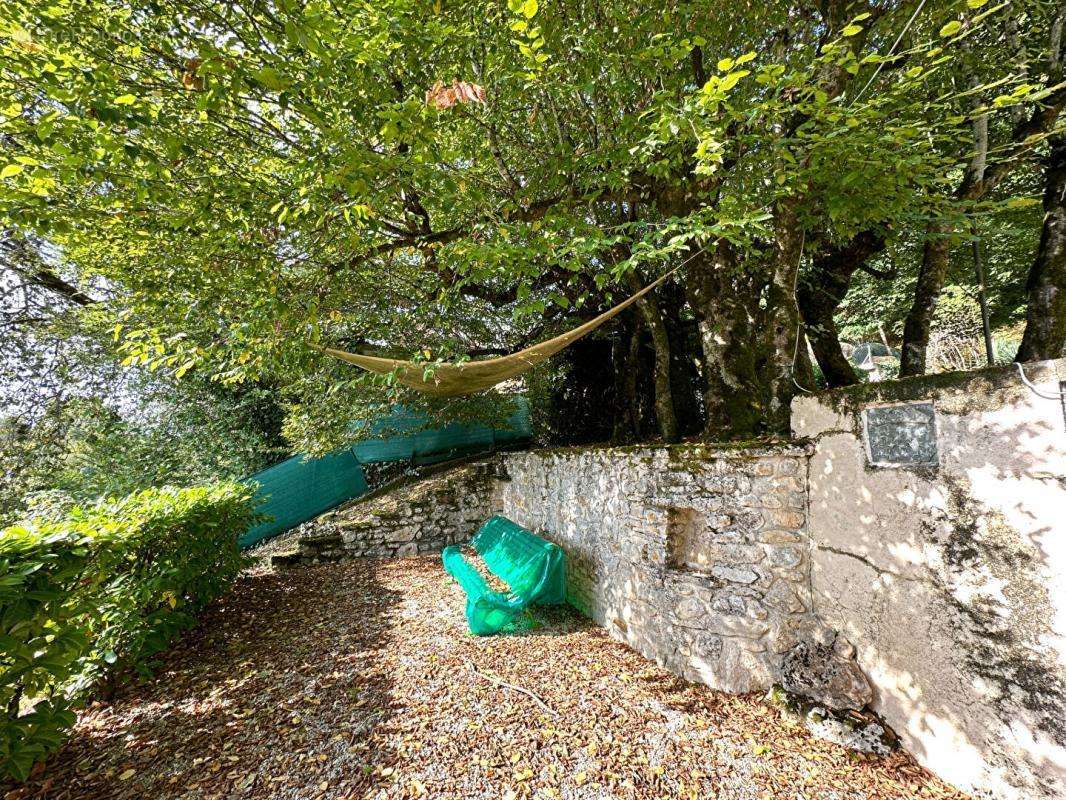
534,570
300,488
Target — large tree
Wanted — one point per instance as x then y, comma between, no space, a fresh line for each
991,155
454,178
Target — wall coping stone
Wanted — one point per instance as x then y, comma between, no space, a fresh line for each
741,449
923,387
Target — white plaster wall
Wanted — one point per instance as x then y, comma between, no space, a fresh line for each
951,581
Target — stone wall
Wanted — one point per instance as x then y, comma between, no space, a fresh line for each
914,535
697,557
422,516
949,574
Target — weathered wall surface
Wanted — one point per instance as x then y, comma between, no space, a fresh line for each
950,577
697,557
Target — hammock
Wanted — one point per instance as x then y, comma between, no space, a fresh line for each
452,380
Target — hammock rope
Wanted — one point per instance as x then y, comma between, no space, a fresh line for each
468,377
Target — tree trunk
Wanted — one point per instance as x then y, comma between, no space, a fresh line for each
979,180
748,332
935,259
804,367
723,299
819,309
821,295
626,355
783,319
1045,316
686,359
664,400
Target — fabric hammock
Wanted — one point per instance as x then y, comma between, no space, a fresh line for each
452,380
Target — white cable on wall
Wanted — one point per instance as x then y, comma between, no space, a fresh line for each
1035,390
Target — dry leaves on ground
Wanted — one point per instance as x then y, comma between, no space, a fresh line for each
359,680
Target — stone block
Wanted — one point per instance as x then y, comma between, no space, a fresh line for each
402,534
788,466
784,556
822,673
782,597
729,603
734,574
779,536
785,519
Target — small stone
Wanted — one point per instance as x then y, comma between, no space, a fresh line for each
785,556
785,519
734,574
781,597
779,536
865,737
788,466
843,648
789,484
729,604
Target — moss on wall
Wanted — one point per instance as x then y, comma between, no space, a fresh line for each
967,392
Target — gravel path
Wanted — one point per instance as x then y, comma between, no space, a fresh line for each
359,680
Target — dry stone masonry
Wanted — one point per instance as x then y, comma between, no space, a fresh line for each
697,557
420,517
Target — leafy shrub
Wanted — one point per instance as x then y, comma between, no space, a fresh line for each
92,597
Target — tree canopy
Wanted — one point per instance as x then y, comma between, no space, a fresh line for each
218,185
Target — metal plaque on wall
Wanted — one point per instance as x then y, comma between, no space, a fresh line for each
901,435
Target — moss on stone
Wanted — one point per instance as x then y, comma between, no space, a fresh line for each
955,392
689,453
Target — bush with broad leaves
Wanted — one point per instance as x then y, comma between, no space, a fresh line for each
91,598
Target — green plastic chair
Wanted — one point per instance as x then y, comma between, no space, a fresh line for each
534,570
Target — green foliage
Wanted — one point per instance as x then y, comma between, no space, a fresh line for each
82,448
247,178
1008,235
94,596
243,179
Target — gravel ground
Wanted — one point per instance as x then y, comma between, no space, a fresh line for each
359,680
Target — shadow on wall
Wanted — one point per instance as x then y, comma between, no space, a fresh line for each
951,579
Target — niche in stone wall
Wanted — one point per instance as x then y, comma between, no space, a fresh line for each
688,546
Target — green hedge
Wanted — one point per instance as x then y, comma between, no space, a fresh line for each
90,599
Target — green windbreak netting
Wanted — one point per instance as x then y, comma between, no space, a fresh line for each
300,488
423,446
